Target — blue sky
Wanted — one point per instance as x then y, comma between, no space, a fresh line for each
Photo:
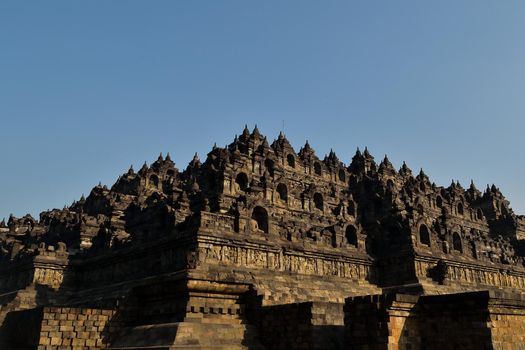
88,88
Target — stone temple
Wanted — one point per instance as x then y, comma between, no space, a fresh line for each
263,247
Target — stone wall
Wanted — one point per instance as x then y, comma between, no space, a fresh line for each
506,319
53,328
302,326
76,327
476,320
466,276
381,322
283,276
21,330
455,321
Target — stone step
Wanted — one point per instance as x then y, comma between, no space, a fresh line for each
141,348
191,347
187,335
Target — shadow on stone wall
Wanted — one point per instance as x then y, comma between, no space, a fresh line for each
21,330
453,321
309,325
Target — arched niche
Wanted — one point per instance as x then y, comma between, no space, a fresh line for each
290,160
317,169
351,235
342,175
242,181
461,210
479,214
318,201
351,208
282,192
260,219
154,180
270,165
424,235
456,242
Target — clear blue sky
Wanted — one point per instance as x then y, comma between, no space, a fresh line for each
89,87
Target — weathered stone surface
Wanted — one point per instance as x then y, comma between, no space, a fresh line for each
253,233
472,320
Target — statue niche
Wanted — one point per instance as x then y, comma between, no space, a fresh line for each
259,220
